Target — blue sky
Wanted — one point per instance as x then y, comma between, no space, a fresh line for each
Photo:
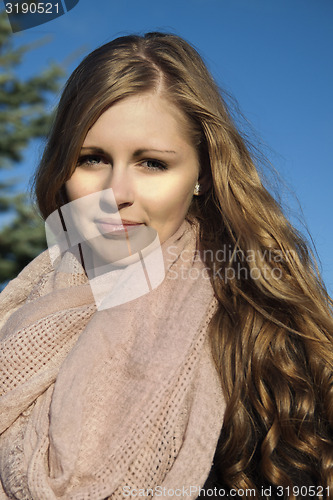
273,56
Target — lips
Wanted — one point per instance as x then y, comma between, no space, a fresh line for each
114,227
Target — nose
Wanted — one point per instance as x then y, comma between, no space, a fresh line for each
118,189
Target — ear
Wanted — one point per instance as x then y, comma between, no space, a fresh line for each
204,182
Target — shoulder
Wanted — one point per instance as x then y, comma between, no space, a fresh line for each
17,290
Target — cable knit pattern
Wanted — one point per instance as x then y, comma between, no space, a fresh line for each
95,401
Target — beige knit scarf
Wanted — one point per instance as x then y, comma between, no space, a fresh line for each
107,404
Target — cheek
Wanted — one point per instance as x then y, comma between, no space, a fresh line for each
169,203
71,191
78,186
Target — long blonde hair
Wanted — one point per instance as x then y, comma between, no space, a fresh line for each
272,336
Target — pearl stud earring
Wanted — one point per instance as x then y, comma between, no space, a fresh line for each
197,189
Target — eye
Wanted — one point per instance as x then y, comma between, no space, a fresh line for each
154,165
91,160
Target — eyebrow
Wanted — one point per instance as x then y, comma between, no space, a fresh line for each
139,152
92,148
136,153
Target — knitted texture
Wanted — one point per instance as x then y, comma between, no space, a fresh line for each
96,403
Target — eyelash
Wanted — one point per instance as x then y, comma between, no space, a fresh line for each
161,166
87,160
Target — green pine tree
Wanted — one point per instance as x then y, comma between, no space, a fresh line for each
23,116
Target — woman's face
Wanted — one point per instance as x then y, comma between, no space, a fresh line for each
139,151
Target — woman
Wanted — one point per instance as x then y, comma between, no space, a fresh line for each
236,340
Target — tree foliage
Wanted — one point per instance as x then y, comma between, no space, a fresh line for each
20,240
23,117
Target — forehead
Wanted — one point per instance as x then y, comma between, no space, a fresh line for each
142,117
